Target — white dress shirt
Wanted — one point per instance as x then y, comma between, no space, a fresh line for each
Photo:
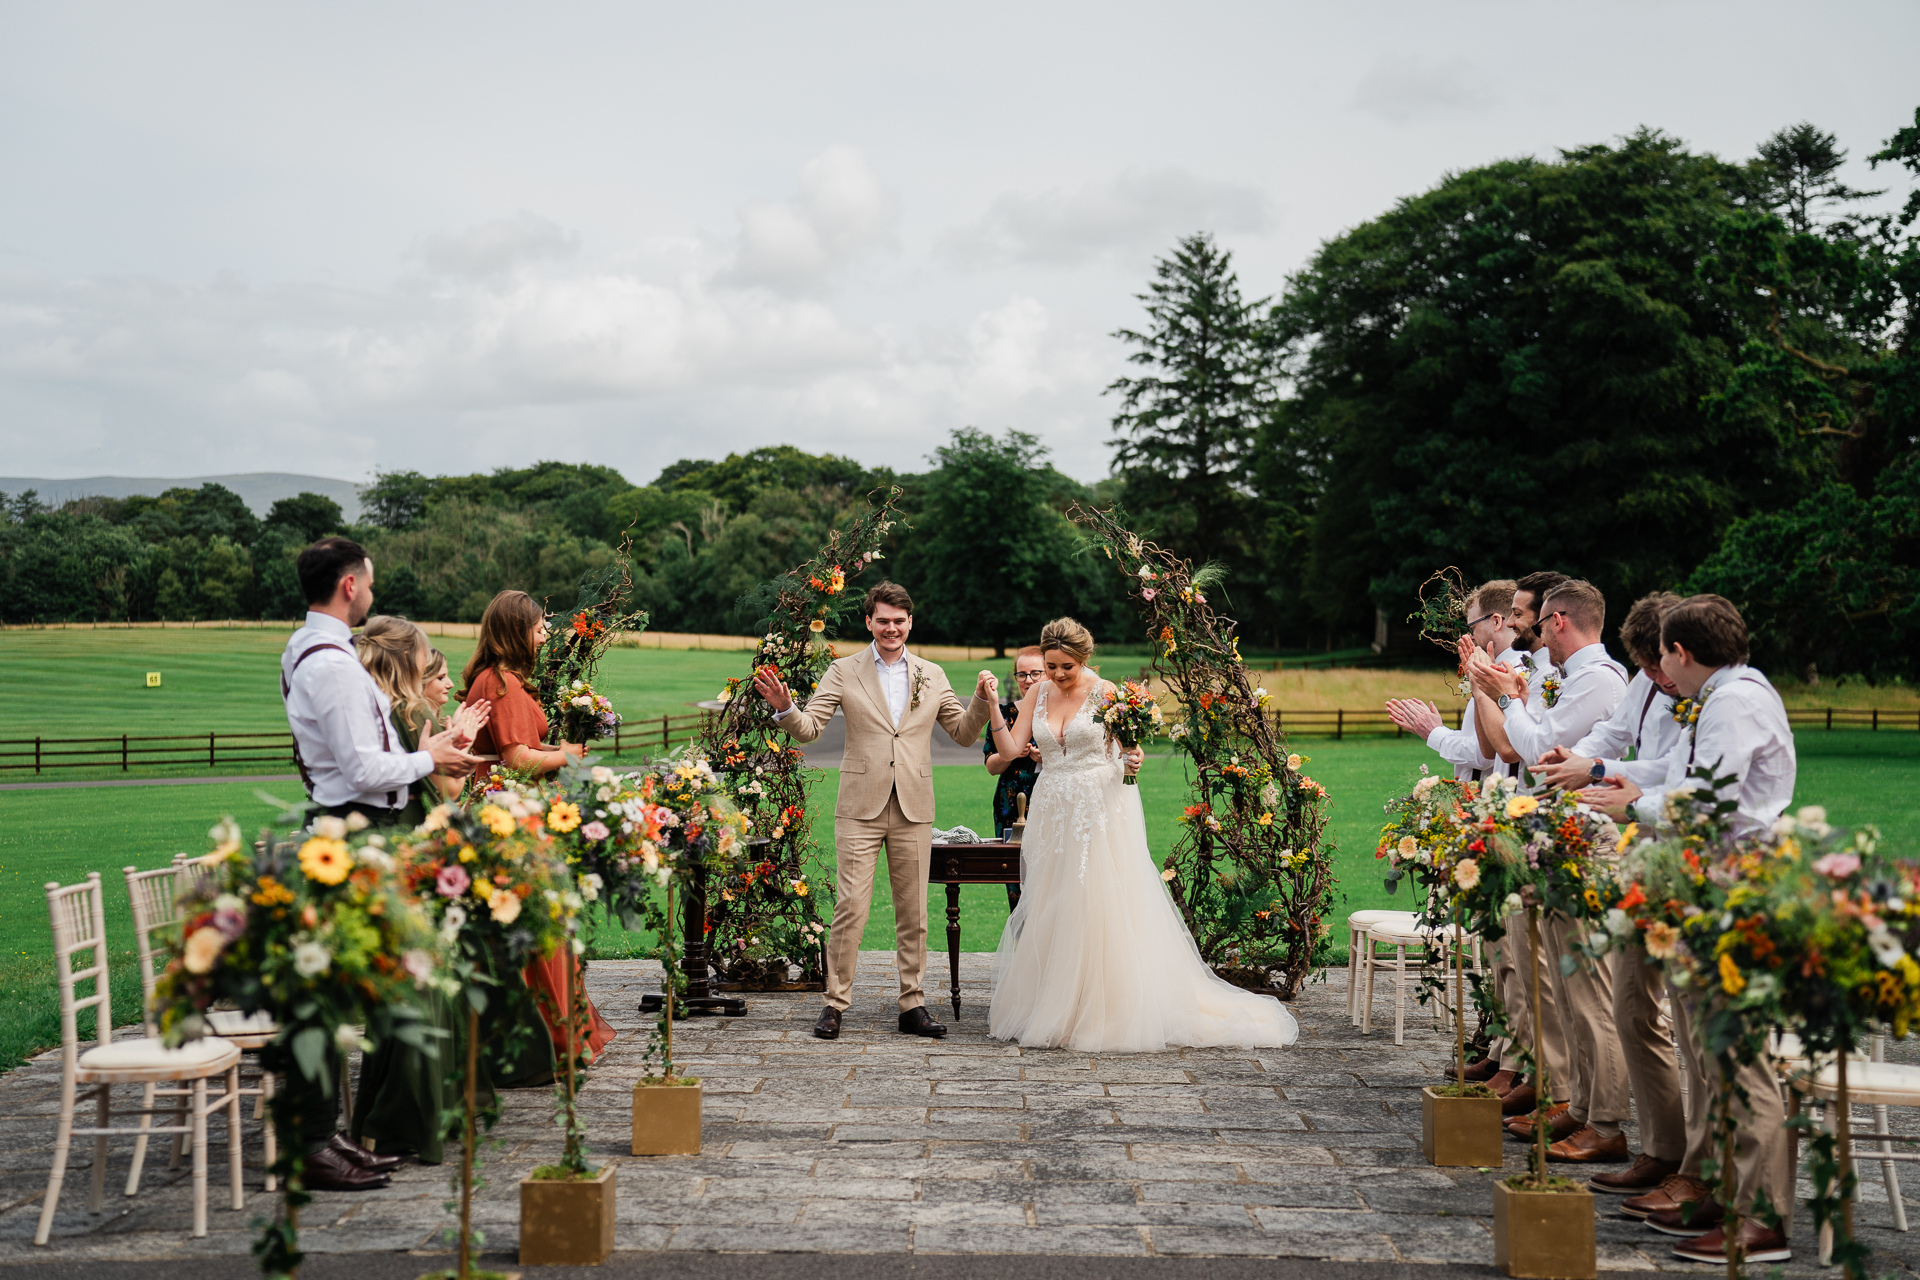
1743,732
1644,722
1461,747
1590,689
340,724
895,683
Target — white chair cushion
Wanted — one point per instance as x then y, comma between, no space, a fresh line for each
1361,919
232,1022
148,1054
1890,1084
1409,933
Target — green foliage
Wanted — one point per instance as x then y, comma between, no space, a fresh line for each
460,555
992,551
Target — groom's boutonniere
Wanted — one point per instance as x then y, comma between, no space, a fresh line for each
919,684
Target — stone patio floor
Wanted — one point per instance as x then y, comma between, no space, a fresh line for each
886,1144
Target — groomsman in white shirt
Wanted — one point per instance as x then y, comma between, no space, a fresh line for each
1582,693
1741,735
344,745
1490,631
1641,727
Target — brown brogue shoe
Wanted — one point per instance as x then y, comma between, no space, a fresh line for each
1670,1194
1558,1117
1646,1174
1518,1101
1503,1082
1760,1243
828,1025
1689,1220
328,1170
1482,1071
1585,1146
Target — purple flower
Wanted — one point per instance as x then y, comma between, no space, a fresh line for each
595,831
452,881
231,924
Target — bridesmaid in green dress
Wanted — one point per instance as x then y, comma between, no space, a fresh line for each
404,1093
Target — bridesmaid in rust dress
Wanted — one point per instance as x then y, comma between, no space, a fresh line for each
511,633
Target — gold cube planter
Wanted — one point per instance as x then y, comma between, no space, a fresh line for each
666,1119
567,1224
1461,1131
1543,1235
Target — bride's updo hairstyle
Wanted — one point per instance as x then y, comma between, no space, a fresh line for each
1069,637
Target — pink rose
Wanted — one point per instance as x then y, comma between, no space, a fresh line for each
595,831
1148,593
452,881
1838,865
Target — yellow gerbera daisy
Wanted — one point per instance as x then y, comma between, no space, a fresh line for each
325,861
496,819
564,816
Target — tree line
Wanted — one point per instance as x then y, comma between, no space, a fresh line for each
1637,363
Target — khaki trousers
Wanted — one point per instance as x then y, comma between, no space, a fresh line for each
909,859
1762,1144
1646,1038
1513,983
1597,1090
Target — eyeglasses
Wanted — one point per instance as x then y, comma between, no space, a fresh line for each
1482,618
1557,613
1029,675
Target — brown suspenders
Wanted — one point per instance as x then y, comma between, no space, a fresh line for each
386,742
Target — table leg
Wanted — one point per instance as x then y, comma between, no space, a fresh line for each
953,943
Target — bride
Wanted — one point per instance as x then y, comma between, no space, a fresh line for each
1095,958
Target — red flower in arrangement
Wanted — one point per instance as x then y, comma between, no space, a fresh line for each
586,627
1478,846
1635,898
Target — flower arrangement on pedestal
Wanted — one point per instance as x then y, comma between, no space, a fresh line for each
1805,928
501,894
1252,873
320,932
768,914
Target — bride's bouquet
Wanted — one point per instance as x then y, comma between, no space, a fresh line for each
1131,716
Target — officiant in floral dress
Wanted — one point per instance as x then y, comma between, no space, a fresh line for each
1018,774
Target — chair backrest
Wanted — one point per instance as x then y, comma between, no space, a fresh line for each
193,873
80,924
156,923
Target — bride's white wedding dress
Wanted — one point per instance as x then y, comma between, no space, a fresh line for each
1096,958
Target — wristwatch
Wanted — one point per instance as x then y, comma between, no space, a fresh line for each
1503,701
1598,771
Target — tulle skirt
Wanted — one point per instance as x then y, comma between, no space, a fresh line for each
1096,957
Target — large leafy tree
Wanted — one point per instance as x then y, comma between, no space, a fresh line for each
1186,431
1506,373
992,555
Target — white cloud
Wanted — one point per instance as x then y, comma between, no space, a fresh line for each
1135,210
1412,88
841,211
495,247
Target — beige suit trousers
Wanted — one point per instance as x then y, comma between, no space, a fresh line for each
1763,1147
909,848
1513,983
1597,1090
1646,1038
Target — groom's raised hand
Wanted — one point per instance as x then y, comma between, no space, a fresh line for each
987,687
768,684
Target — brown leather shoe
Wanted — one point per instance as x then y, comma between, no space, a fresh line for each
1670,1194
1585,1146
1646,1174
1518,1101
1689,1220
1761,1243
918,1022
827,1027
328,1170
1503,1082
1482,1071
1560,1124
361,1157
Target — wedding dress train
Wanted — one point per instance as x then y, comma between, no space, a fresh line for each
1096,958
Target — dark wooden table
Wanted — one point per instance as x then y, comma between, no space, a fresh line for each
990,862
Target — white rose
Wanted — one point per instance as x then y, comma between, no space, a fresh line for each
328,827
310,959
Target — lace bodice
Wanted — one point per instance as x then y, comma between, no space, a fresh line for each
1085,747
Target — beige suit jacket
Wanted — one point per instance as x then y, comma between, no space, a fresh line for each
882,759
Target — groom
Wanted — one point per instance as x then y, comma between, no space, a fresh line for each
891,701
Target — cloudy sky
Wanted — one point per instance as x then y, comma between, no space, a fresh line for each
334,237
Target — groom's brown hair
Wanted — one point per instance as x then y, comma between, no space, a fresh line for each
888,593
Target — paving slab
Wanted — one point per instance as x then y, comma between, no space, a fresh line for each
878,1144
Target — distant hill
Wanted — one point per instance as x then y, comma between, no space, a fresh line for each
258,489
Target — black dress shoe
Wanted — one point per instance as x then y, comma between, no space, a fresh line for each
361,1157
918,1022
328,1170
828,1026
